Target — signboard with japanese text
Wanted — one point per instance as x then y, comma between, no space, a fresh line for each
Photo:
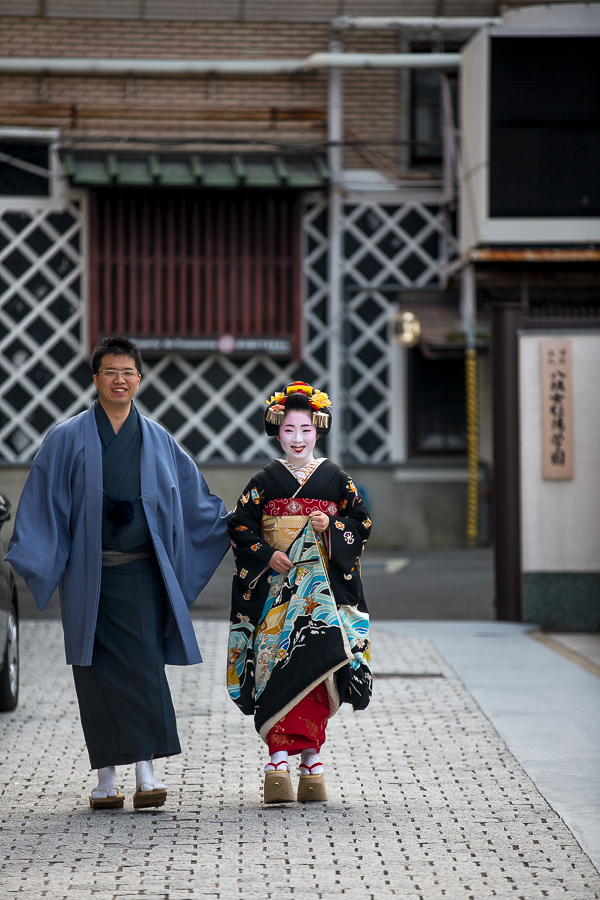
557,410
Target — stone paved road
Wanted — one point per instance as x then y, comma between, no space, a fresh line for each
426,801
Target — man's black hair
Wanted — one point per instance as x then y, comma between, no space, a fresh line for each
117,346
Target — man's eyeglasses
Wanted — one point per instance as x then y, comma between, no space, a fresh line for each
113,373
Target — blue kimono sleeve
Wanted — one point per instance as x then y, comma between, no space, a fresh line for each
205,523
41,541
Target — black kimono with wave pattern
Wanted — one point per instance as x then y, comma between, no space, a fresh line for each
251,580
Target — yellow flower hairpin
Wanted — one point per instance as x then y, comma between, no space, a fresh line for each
320,399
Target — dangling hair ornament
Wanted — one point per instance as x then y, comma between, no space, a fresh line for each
276,414
320,420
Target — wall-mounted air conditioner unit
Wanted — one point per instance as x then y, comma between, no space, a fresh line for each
530,126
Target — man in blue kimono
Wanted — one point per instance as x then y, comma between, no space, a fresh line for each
119,517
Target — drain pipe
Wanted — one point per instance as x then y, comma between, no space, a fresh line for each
335,160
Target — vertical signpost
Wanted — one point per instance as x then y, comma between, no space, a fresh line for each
557,410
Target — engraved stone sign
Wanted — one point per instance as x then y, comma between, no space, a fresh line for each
557,410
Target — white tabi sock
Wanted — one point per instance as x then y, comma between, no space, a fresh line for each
281,756
144,777
107,783
310,764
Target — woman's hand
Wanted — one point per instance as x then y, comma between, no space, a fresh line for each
320,521
281,562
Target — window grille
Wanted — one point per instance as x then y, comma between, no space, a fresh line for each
195,264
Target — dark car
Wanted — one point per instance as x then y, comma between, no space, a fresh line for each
9,625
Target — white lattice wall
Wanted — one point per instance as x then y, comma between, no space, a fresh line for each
44,377
387,247
212,406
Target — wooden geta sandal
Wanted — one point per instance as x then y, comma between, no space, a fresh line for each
311,788
148,799
115,802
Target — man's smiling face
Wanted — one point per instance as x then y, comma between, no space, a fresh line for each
116,391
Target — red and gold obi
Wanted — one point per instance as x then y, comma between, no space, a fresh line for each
283,520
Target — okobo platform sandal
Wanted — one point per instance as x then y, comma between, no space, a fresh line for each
311,788
278,785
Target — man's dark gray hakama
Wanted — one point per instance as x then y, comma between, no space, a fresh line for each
125,704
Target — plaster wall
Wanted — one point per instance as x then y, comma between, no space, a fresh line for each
561,519
426,511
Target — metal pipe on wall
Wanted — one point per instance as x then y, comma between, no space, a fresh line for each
382,61
404,108
335,159
192,67
438,23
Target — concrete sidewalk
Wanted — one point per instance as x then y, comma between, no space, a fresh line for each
426,799
545,707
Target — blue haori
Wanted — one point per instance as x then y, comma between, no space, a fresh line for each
302,637
58,537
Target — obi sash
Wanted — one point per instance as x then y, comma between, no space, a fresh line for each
283,520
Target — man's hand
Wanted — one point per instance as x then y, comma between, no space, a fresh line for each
281,562
320,521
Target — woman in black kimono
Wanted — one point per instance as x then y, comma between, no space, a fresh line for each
299,634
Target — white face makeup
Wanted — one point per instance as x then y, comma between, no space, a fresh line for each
298,437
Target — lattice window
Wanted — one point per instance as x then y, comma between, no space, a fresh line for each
316,291
385,247
44,376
